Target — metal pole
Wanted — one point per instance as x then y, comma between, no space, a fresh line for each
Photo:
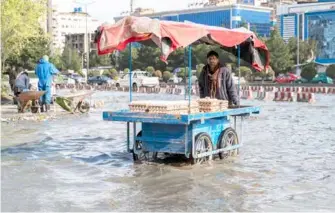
239,72
298,38
185,67
130,75
88,47
189,76
130,62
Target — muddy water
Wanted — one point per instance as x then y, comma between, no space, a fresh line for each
80,164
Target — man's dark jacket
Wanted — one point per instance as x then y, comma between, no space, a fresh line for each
225,90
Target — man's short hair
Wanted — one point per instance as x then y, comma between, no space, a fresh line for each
212,53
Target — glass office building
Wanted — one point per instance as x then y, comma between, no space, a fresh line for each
231,16
311,21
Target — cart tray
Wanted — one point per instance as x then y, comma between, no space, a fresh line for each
30,95
128,116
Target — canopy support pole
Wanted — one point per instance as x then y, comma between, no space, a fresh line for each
189,77
130,98
130,75
185,74
239,72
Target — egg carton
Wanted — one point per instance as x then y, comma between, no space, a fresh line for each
163,107
212,105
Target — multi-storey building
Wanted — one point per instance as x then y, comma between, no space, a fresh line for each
314,21
226,15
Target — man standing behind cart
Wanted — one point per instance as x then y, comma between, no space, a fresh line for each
215,81
45,70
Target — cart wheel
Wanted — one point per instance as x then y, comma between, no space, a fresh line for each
228,138
141,155
83,107
203,143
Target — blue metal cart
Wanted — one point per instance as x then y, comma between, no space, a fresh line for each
196,136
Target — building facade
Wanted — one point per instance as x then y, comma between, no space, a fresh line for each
314,21
71,23
59,24
228,16
77,41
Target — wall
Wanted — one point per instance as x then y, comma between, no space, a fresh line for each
259,21
320,26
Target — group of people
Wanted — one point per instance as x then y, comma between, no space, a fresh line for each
44,71
215,81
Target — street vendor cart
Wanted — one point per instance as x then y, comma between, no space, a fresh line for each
196,135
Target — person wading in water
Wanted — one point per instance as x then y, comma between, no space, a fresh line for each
215,81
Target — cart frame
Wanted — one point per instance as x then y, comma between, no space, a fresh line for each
183,131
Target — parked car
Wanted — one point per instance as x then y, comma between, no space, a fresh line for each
139,78
77,78
286,78
100,80
320,78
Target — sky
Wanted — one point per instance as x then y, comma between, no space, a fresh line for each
106,10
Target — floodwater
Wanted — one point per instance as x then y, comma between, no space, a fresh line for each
81,164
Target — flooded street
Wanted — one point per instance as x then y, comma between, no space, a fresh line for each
80,163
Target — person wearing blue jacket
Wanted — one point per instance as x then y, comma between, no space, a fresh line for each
45,71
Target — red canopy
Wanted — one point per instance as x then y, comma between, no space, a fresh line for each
169,36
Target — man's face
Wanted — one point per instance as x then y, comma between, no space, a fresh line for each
212,61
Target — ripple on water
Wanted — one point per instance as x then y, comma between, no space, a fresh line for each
286,163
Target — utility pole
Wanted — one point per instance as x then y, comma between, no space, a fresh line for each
87,36
298,39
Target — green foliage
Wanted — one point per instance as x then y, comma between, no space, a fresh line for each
123,58
199,69
306,50
99,60
150,69
92,73
244,24
147,56
112,73
245,72
183,72
158,74
57,60
166,76
20,23
309,71
330,71
71,59
280,56
126,70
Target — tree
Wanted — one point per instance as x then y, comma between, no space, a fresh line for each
309,71
330,71
99,60
158,74
244,24
71,59
20,22
245,72
280,56
307,49
150,69
34,49
126,70
123,58
166,76
147,56
56,59
199,69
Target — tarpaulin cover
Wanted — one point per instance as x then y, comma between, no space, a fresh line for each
169,36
